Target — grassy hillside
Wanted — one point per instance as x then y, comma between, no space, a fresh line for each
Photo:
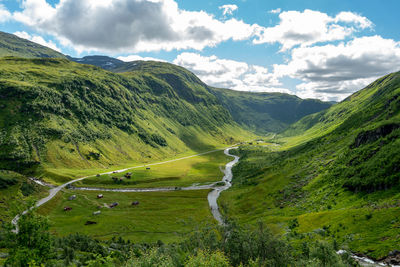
338,179
11,45
258,112
267,112
59,118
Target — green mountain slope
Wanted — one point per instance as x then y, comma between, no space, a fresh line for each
338,179
267,112
58,117
258,112
11,45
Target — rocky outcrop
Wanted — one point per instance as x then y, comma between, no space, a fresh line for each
375,134
393,258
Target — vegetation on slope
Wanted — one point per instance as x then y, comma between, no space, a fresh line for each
12,45
230,245
16,190
267,112
258,112
337,180
58,114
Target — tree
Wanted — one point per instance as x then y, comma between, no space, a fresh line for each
32,244
208,259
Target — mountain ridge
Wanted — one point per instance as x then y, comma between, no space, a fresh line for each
12,45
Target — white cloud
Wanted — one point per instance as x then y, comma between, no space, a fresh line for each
37,39
130,26
230,74
332,72
5,15
137,57
350,17
275,11
228,9
310,27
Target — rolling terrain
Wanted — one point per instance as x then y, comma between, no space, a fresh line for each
264,113
12,45
334,175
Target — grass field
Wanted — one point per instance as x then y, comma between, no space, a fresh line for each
165,216
199,169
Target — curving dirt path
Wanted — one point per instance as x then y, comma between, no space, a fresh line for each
55,190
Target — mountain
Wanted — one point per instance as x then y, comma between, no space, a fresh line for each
104,62
333,175
12,45
258,112
267,112
58,116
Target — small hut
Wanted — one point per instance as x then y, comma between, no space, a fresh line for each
113,205
72,197
100,196
67,208
135,203
96,212
128,175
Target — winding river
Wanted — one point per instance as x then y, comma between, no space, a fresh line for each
214,194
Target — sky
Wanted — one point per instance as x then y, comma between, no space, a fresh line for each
325,49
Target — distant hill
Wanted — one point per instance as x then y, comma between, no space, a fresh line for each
12,45
267,112
104,62
258,112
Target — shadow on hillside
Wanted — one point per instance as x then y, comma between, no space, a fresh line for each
195,144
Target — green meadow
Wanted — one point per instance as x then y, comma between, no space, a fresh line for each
195,170
166,216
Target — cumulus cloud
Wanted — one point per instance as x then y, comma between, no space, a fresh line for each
275,11
37,39
332,72
137,57
225,73
130,26
228,9
4,14
310,27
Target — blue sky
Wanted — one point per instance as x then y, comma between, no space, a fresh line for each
315,49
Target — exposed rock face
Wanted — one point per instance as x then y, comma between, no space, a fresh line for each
393,258
373,135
